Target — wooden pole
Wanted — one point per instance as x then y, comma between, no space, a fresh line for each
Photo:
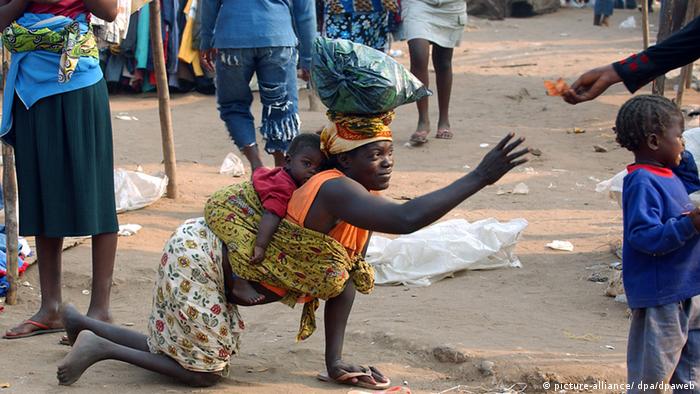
9,191
166,121
689,77
645,23
687,69
9,194
672,16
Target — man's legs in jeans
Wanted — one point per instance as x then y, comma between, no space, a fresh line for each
234,69
276,70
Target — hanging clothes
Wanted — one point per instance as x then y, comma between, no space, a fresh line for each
188,53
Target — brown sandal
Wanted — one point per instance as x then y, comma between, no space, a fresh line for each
444,134
419,138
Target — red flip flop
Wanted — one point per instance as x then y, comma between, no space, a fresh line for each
41,330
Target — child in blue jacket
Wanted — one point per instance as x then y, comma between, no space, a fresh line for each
661,252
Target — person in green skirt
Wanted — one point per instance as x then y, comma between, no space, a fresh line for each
56,115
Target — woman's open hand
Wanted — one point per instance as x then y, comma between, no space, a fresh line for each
695,218
501,159
207,58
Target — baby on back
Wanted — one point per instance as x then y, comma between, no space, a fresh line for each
275,186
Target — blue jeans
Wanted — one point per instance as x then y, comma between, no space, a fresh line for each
603,7
276,71
664,347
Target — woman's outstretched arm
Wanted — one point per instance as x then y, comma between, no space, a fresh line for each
347,200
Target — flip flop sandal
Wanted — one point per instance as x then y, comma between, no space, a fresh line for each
444,134
42,329
346,378
419,138
390,390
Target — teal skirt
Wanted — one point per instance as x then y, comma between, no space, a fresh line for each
64,160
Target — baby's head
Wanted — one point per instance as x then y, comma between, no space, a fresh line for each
651,127
304,157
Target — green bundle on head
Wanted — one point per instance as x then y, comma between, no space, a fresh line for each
356,79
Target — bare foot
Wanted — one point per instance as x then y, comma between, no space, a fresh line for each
72,321
87,350
444,125
375,377
104,316
245,294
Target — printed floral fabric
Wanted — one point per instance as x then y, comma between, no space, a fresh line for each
190,320
367,28
299,260
69,43
339,6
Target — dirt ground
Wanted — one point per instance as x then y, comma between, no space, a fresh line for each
545,320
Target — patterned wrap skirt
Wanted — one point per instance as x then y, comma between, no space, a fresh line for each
190,320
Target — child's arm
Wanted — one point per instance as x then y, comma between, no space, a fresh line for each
266,229
104,9
10,11
646,231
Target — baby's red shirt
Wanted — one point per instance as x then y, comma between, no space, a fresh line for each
274,187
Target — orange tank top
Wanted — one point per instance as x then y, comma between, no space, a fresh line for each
353,238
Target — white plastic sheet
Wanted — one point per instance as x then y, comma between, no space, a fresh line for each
127,230
692,143
628,23
613,186
135,190
232,165
440,250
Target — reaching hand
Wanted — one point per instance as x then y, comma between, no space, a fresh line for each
258,255
207,58
304,74
500,160
695,217
591,84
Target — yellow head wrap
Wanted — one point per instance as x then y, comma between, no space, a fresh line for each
346,132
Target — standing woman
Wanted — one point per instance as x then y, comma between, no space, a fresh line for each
56,114
364,22
439,23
